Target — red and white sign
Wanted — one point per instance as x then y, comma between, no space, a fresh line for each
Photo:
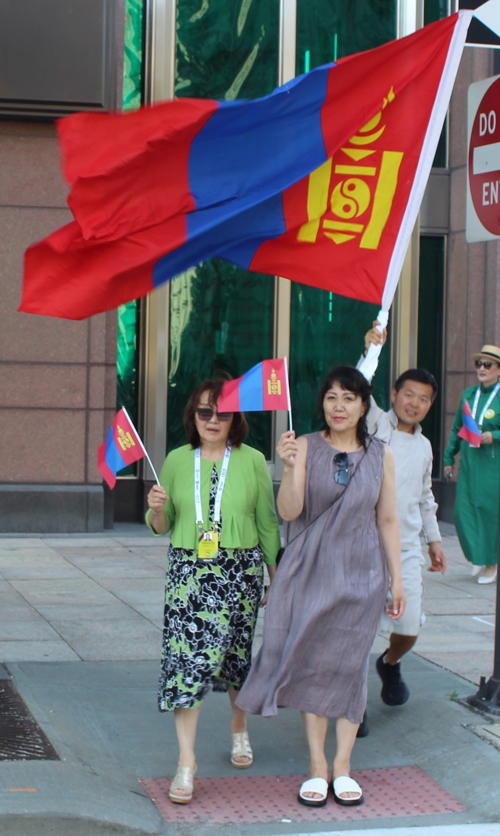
483,181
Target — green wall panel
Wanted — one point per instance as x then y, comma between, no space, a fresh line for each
331,29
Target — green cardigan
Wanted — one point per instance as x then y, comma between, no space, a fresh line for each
247,510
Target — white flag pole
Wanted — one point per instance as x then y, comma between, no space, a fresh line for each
142,445
368,365
288,394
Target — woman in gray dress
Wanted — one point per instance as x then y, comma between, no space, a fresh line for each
338,496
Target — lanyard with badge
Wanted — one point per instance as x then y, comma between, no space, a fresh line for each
208,539
486,412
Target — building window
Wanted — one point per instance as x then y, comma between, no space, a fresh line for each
431,331
222,317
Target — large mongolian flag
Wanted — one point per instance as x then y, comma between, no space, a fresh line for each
320,182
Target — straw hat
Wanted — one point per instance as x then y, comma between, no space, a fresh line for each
491,351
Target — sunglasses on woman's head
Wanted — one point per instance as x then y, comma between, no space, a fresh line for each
341,476
480,363
205,413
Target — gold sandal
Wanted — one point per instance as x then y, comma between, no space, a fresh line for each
241,748
183,781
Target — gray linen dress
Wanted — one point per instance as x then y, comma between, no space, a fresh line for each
328,595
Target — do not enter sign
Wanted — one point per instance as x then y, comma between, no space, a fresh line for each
483,181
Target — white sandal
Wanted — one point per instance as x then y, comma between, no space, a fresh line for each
318,786
183,780
241,749
346,784
487,579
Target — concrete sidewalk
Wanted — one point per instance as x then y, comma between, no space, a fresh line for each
80,631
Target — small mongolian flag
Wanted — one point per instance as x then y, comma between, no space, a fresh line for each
121,448
264,387
470,430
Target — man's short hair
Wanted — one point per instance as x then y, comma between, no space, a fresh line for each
419,376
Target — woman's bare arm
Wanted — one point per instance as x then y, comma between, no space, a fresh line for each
291,495
388,526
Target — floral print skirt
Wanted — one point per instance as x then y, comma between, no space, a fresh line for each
209,624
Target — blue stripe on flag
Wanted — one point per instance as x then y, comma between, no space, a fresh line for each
113,458
471,424
257,146
237,237
251,390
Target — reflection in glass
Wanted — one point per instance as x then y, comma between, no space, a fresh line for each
435,10
331,29
226,49
126,359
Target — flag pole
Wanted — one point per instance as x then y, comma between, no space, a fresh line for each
142,445
288,393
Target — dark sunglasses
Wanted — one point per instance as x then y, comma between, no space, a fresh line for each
341,476
480,363
205,413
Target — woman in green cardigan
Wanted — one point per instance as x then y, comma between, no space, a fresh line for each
478,487
216,499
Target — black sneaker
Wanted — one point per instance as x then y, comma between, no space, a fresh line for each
394,689
363,730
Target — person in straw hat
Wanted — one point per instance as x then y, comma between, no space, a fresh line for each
478,486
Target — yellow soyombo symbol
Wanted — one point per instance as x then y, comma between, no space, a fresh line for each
125,440
351,197
274,385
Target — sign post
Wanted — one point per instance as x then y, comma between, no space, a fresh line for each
483,224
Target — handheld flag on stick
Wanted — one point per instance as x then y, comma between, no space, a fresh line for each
122,447
320,182
470,431
264,387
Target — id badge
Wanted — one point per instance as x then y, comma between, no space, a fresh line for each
208,545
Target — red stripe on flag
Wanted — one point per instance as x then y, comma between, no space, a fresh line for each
108,476
469,435
66,276
274,384
134,172
229,398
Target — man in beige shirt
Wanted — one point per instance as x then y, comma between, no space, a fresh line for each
412,397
